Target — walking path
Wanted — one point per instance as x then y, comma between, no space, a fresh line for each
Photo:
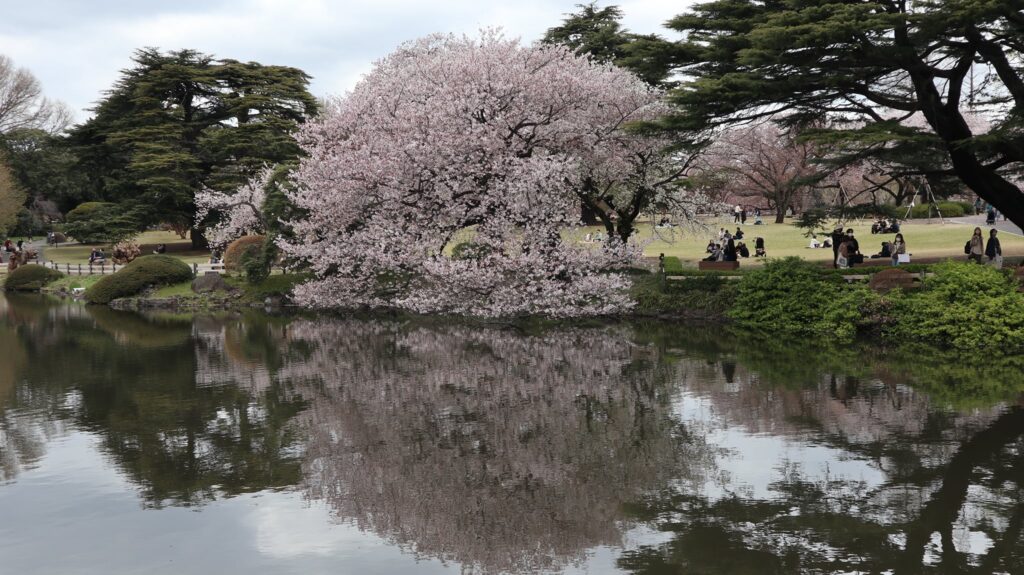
979,221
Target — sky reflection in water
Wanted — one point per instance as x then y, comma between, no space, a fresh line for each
253,443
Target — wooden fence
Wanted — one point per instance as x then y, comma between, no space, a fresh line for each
88,269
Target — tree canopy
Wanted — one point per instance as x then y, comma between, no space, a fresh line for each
895,79
178,122
598,33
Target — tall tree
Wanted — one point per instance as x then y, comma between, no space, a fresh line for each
179,122
46,168
869,66
12,198
432,142
22,104
767,163
597,32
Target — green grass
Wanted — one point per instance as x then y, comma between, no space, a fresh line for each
176,247
781,240
174,290
68,283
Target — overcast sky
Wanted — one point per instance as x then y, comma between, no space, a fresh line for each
77,47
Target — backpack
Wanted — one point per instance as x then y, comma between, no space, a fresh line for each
967,247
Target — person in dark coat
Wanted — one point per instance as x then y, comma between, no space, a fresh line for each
992,249
729,251
837,238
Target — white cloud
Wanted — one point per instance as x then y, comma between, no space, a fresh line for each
77,49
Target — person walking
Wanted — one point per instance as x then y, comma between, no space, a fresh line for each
899,248
976,247
736,213
993,250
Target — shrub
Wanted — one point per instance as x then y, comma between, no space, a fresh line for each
965,306
145,271
31,277
237,251
948,209
791,296
702,296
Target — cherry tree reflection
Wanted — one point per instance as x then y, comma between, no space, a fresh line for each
501,451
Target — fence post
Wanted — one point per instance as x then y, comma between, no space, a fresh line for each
68,266
195,269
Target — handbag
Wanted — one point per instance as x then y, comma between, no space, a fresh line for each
997,262
903,258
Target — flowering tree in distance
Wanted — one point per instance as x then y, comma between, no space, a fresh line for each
241,212
477,144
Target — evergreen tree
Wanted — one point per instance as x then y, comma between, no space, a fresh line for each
178,122
895,79
598,33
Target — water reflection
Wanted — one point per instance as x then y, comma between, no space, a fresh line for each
502,451
486,447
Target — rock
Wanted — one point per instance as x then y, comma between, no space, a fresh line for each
210,282
888,280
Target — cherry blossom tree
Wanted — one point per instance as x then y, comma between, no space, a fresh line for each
766,162
480,142
240,212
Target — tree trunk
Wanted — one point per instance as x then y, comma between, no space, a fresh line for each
780,214
199,241
944,506
625,230
989,185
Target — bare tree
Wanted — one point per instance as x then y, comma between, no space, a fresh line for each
22,104
766,162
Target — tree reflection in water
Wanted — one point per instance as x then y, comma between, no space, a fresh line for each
949,500
505,451
500,451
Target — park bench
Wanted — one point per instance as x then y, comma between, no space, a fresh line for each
718,266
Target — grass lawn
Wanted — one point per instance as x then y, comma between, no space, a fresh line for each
177,247
923,240
71,282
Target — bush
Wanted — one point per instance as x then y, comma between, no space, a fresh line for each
145,271
238,250
31,277
791,296
705,296
965,306
948,209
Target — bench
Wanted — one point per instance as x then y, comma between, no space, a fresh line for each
724,266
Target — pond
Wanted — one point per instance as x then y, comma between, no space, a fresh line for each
257,443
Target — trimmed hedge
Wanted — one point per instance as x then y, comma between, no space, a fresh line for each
143,272
31,277
948,209
239,249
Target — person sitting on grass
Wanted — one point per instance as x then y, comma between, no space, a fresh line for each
96,256
743,250
759,251
711,247
815,244
738,235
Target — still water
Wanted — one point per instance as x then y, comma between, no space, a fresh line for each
173,444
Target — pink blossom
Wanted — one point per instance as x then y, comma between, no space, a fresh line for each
454,139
